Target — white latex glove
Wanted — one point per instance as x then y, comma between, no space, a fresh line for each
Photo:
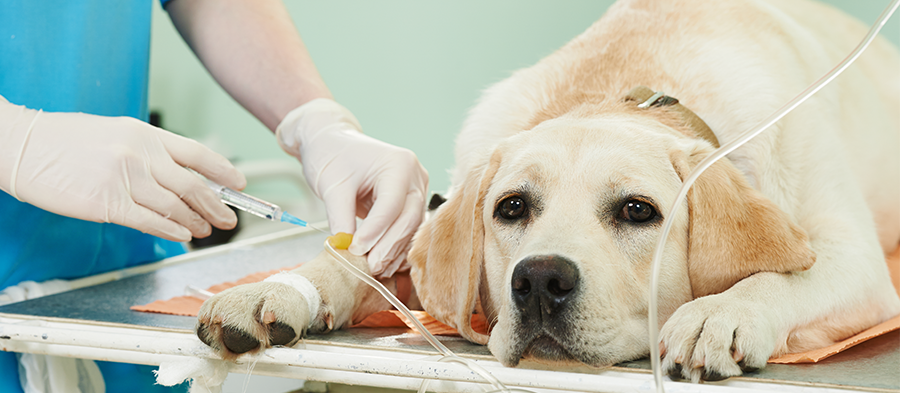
113,169
356,175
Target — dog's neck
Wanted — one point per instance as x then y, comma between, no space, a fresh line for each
640,101
646,98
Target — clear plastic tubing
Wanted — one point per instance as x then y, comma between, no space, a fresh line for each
199,293
448,356
253,205
653,313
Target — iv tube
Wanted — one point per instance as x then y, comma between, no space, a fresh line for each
447,354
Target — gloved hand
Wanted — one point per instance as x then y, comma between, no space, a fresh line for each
113,169
356,175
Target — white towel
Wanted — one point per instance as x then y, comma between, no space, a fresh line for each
207,375
52,374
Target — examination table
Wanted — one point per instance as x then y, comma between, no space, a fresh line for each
95,322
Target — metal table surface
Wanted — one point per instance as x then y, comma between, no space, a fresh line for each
871,366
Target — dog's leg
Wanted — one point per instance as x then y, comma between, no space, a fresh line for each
718,336
259,315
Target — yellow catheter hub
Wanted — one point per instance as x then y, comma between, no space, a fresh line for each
340,241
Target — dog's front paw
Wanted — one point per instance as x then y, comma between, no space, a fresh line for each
714,337
252,316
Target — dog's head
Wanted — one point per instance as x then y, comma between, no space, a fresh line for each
551,238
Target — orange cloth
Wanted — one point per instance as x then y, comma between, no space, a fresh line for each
189,306
893,262
394,318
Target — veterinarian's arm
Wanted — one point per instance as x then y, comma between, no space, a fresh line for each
254,51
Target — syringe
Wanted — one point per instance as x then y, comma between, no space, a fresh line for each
255,206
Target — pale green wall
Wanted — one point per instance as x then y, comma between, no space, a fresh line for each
408,69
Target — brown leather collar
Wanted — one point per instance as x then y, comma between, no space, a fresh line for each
646,98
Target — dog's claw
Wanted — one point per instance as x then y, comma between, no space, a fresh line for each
268,317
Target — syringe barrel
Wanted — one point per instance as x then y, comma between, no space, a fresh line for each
247,203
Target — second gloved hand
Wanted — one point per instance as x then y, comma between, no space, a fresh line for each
113,169
356,175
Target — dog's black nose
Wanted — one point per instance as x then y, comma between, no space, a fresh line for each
542,285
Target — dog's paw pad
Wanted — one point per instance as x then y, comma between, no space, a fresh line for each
238,341
675,372
747,369
252,317
204,335
281,334
711,375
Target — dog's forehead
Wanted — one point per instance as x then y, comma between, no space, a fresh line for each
588,151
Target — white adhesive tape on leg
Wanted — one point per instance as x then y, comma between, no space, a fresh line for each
302,285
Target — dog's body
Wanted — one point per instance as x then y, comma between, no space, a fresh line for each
561,187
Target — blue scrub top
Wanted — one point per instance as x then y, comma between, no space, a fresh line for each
88,56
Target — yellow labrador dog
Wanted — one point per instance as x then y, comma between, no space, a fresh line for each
565,173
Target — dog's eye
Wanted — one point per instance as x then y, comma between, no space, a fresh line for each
638,211
512,208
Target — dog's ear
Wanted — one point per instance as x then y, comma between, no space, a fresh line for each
735,231
448,252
